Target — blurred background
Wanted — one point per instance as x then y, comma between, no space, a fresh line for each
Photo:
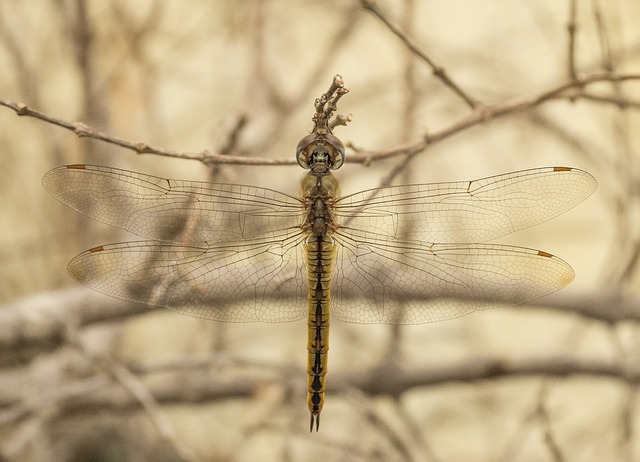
85,377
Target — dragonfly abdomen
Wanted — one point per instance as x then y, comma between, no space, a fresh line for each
320,252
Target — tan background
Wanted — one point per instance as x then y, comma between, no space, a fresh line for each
549,381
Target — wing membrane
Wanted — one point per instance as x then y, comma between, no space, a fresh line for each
385,281
404,253
467,211
252,281
187,212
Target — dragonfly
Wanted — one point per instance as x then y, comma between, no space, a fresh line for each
408,254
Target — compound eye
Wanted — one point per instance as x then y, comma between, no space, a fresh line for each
337,157
302,153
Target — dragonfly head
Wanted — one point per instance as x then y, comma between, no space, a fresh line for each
320,152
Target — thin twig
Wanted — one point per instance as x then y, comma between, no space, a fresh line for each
480,115
621,102
188,386
83,130
572,27
607,60
603,38
139,391
438,71
377,421
545,421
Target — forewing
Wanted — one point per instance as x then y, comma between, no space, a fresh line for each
385,281
252,281
466,211
188,212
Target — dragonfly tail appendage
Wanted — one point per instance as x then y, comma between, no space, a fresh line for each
315,421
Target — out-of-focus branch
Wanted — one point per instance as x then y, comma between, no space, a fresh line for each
542,414
438,71
603,37
187,386
389,379
138,391
38,323
572,27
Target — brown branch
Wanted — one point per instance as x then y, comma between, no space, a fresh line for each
621,102
572,28
485,114
607,60
38,323
363,156
438,71
183,386
603,38
83,130
545,421
393,380
378,420
185,382
139,392
267,86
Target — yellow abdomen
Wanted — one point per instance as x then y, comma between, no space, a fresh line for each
319,252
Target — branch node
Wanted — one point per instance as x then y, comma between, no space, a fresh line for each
485,113
82,130
141,148
327,104
340,120
22,109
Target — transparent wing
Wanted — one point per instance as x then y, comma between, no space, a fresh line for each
187,212
252,281
237,249
466,211
381,280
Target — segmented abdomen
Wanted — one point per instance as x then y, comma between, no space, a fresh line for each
320,252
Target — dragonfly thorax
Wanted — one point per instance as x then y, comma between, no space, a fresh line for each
319,192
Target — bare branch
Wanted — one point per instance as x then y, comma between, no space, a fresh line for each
572,28
327,104
390,379
38,323
139,392
603,37
83,130
363,156
438,71
485,114
194,386
545,420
